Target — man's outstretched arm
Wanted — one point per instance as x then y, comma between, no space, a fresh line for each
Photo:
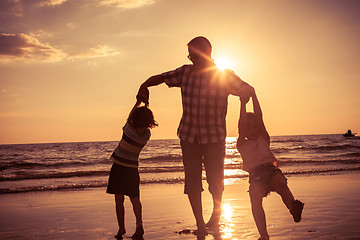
143,93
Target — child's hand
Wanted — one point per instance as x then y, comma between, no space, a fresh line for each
245,99
143,95
250,92
138,102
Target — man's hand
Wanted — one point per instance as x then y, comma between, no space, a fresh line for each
245,99
252,91
249,93
143,95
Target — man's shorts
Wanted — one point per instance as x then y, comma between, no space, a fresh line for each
263,174
212,155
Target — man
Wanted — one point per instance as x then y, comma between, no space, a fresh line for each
202,130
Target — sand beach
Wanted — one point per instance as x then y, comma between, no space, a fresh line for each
332,211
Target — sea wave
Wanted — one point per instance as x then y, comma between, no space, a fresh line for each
36,164
91,173
334,147
169,180
351,150
56,163
33,176
52,187
287,140
61,166
346,147
163,157
163,169
318,161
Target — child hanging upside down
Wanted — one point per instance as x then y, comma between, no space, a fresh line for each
253,145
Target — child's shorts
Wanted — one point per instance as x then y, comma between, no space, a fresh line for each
124,180
263,175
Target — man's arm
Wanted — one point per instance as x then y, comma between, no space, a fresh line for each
236,85
143,93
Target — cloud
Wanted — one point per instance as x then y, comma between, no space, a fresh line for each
26,47
127,3
98,51
22,46
16,7
12,7
43,3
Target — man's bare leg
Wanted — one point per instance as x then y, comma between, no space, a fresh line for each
196,205
215,216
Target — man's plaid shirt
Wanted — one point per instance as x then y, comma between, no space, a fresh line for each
204,99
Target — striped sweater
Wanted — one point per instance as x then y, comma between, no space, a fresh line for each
128,151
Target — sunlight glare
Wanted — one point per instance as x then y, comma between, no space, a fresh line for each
227,212
223,63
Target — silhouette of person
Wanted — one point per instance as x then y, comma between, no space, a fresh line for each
264,175
202,129
124,178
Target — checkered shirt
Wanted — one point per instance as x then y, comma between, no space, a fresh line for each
204,99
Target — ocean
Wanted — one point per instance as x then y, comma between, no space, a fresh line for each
81,165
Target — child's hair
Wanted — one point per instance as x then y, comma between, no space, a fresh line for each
142,117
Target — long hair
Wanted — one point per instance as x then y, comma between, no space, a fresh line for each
142,117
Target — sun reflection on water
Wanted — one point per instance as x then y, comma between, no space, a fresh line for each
227,227
233,175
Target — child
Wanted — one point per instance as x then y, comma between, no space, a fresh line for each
264,176
124,176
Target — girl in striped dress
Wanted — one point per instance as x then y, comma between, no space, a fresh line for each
124,176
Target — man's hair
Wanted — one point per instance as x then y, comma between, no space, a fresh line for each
142,117
201,44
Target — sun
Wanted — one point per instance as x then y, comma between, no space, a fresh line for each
223,63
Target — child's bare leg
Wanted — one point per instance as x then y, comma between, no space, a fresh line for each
279,184
257,192
295,207
137,208
120,214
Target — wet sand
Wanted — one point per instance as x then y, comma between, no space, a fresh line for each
332,211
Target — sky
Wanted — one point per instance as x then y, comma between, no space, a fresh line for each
70,69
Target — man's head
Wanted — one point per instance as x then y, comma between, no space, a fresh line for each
199,50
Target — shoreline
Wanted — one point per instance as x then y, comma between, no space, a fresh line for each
331,211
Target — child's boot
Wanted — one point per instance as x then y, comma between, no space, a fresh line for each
296,210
